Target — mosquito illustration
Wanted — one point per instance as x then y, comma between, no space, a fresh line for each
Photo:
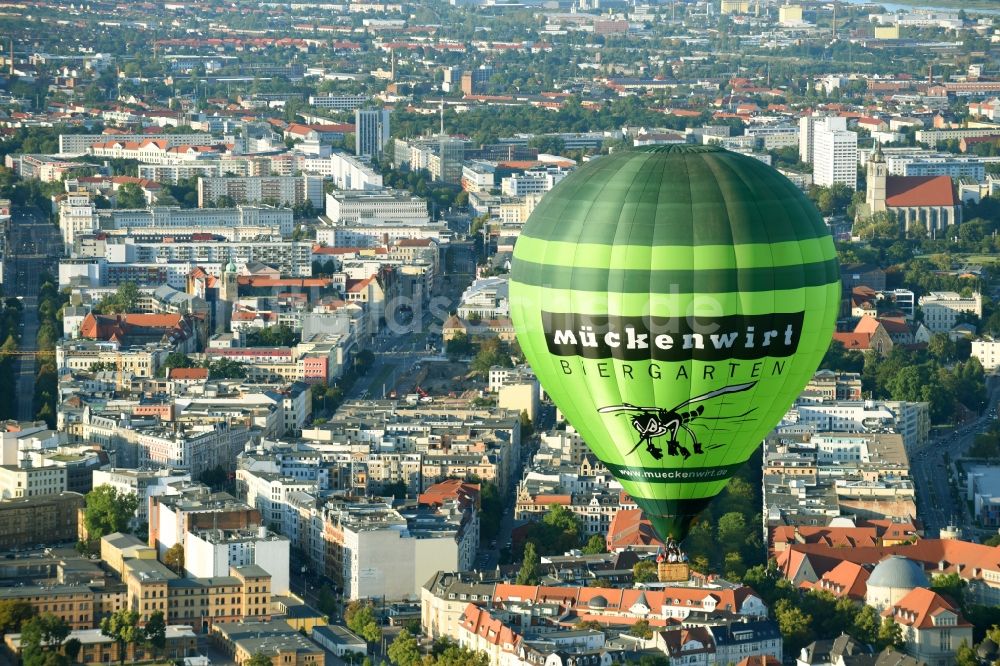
652,422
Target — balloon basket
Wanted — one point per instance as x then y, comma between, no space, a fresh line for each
672,572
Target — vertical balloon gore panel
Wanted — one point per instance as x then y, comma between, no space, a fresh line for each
673,302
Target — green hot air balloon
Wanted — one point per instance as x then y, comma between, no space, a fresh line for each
673,301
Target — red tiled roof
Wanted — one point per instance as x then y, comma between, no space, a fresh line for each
548,500
894,324
187,373
903,191
579,598
855,341
968,560
919,608
760,660
234,352
630,528
842,537
356,286
118,327
847,579
451,489
478,621
264,281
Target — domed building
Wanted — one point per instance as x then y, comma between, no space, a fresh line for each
892,579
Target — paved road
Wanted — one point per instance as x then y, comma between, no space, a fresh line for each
31,247
399,346
933,474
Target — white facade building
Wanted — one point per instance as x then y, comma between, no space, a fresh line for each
18,482
807,133
371,132
77,216
210,553
910,419
174,217
835,154
286,190
268,492
531,182
987,351
290,258
346,171
140,482
384,556
376,206
485,298
77,144
942,308
338,102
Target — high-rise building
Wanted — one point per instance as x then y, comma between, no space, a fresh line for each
446,164
371,132
835,153
807,129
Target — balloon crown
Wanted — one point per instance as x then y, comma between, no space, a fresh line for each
682,148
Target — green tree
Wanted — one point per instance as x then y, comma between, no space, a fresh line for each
941,347
371,632
124,300
13,613
72,649
558,531
154,633
458,347
41,637
966,656
360,618
456,656
174,557
108,511
395,489
175,359
890,634
592,625
644,571
281,335
794,624
734,568
327,601
122,626
490,353
641,629
733,530
951,585
225,368
404,651
880,226
528,574
839,359
650,660
595,546
130,195
258,659
866,625
490,511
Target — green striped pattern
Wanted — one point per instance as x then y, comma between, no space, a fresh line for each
674,232
642,197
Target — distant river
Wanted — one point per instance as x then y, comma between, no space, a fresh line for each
894,7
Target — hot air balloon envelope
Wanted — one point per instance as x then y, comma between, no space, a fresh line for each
673,301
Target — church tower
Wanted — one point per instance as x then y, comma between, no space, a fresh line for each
878,172
228,295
